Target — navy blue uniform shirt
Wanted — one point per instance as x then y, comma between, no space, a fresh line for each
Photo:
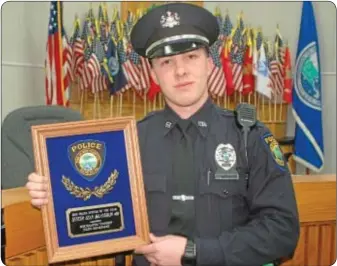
245,211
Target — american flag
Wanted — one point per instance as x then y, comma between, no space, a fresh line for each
259,39
78,51
237,56
85,74
276,71
58,59
271,62
280,50
228,26
113,31
99,81
145,74
129,23
103,27
92,66
133,68
123,62
216,80
221,26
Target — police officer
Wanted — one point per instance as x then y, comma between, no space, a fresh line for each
212,200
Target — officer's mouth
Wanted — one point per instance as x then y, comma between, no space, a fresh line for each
184,85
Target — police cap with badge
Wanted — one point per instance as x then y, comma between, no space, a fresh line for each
172,29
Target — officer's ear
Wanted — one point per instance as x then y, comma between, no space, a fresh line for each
153,75
209,62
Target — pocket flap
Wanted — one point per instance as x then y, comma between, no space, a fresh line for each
223,187
155,182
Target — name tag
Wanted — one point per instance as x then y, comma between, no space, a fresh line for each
226,176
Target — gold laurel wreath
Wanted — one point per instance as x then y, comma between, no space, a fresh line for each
86,193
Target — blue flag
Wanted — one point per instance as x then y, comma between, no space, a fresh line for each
307,95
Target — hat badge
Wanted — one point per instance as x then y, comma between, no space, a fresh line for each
170,20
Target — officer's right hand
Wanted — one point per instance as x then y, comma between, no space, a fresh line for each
37,187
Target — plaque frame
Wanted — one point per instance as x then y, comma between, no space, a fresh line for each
40,134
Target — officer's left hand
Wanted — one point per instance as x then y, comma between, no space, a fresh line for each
165,250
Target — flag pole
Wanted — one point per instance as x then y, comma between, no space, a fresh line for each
144,106
111,105
134,103
94,106
121,104
60,26
81,105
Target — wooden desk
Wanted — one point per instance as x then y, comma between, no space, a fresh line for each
316,199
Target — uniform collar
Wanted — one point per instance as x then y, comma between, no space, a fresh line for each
201,119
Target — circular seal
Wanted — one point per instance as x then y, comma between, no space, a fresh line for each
88,162
225,156
113,65
307,79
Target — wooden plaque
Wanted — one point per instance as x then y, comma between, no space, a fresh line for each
96,197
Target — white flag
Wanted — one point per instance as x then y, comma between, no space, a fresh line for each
263,83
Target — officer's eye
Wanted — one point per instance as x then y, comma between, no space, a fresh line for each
192,56
165,62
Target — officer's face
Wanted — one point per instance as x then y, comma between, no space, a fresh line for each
183,77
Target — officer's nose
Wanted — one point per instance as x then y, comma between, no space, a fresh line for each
180,67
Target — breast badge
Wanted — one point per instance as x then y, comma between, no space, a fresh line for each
225,157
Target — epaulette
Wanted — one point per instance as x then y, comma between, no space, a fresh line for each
225,112
260,124
149,116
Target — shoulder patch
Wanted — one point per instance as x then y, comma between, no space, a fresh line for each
275,150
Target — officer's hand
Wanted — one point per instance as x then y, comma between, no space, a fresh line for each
37,187
165,250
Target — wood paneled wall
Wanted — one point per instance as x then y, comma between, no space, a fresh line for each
316,199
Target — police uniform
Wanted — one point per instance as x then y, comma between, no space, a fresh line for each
235,204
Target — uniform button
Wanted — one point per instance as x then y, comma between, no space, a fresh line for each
225,192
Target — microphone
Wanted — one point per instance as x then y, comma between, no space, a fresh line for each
246,117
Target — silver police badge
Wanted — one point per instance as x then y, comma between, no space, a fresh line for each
170,20
225,156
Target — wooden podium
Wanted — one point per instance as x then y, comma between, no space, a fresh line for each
316,199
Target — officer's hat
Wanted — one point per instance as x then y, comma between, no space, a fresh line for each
172,29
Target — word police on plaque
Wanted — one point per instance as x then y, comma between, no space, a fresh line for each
96,202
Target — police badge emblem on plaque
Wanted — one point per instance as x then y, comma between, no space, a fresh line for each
87,157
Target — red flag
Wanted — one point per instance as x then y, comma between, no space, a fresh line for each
153,90
227,69
288,82
248,77
58,59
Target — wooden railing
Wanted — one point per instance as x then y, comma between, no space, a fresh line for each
316,199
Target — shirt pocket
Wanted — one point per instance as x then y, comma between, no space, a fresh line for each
157,201
223,201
